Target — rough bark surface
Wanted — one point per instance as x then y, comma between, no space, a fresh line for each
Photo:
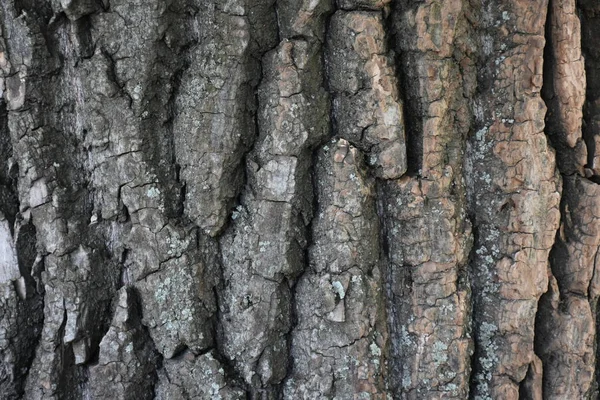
299,199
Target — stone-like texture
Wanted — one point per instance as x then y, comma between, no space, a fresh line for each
178,304
330,199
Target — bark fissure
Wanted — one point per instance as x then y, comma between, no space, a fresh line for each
565,324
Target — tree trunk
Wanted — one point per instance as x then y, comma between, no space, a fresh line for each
299,199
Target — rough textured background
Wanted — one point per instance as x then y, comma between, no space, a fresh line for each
299,199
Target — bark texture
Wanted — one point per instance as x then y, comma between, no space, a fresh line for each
299,199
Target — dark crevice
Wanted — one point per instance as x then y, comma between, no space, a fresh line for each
38,8
595,389
543,313
397,284
26,243
547,91
177,195
476,355
407,91
136,322
126,278
589,14
9,200
231,373
308,229
526,390
559,255
72,378
412,121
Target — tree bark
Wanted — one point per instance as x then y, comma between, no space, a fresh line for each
299,199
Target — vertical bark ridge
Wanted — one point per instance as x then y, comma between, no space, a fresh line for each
341,331
264,251
565,324
426,231
339,342
514,194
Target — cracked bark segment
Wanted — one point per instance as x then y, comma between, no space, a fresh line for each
565,88
566,328
114,142
574,255
428,302
566,344
190,377
78,289
214,125
565,324
127,359
294,106
158,253
345,231
427,237
79,278
366,104
124,115
430,27
339,343
303,18
435,92
177,304
256,316
75,9
263,253
82,272
438,52
86,283
20,328
100,158
514,196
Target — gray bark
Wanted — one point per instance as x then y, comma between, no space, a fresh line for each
299,199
